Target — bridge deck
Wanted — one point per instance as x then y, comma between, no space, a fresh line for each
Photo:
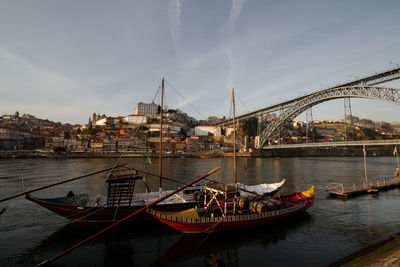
339,190
336,144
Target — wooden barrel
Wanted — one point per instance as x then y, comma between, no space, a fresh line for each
196,195
243,203
252,206
273,204
257,207
261,207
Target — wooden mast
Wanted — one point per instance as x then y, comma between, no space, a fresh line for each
365,166
234,137
161,125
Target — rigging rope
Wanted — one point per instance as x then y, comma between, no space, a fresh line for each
242,101
209,233
87,215
154,97
187,102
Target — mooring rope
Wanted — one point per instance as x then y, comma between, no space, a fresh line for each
209,233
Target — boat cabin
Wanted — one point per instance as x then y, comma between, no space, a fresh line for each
121,186
221,196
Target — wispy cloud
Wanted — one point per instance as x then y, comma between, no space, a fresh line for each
45,79
40,90
10,56
175,9
234,14
106,58
236,60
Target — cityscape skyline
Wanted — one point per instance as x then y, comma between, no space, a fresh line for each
64,61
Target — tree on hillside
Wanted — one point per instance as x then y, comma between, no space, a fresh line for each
366,122
386,127
353,119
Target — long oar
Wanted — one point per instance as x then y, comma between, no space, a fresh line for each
127,217
61,182
162,177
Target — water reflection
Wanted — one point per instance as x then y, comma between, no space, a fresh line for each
331,229
124,245
222,249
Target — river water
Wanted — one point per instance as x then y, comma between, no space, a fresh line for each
330,230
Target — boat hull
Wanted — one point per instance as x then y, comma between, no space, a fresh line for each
234,222
83,213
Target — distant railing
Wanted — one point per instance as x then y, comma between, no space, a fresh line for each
336,144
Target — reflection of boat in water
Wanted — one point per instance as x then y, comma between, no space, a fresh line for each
223,210
125,245
220,247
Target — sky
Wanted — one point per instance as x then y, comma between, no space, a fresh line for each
64,60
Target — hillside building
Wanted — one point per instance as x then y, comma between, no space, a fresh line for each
150,110
136,119
204,130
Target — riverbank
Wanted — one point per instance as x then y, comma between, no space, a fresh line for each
374,151
122,154
384,253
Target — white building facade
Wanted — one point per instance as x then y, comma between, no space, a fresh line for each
167,128
136,119
101,122
150,110
204,130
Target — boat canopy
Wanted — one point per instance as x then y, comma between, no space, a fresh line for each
261,189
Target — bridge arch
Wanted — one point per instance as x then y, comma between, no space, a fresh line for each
274,129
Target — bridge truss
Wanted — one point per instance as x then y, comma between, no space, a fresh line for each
360,88
274,129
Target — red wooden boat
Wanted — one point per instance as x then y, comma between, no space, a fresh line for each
91,213
199,221
122,201
119,202
225,210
